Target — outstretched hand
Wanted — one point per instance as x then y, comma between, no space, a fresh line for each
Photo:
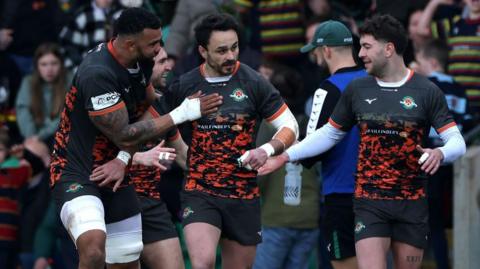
273,164
156,156
430,160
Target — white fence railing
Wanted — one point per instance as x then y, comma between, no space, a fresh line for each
466,211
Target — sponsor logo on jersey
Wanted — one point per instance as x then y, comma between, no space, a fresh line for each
408,102
105,100
370,101
238,95
75,187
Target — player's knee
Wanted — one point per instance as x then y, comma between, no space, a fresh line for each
92,256
203,262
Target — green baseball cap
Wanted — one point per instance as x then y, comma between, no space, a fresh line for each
329,33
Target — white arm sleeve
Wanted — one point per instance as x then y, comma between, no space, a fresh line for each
454,145
316,143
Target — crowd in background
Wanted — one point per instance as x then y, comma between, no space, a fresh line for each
43,41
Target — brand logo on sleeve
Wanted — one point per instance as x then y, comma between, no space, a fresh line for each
408,102
105,100
238,95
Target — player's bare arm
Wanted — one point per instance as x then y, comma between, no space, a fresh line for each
286,135
126,136
115,124
181,149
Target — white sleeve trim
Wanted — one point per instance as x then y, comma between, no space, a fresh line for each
454,144
316,143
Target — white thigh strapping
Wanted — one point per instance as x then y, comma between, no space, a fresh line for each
83,214
124,240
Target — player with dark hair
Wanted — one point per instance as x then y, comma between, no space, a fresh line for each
100,118
394,109
220,199
161,245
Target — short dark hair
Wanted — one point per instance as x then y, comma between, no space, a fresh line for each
386,28
214,22
134,20
436,49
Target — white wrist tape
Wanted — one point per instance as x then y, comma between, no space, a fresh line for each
164,156
243,157
124,156
423,158
188,110
268,148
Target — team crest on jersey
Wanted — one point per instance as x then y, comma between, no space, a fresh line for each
408,102
187,212
238,95
359,227
74,187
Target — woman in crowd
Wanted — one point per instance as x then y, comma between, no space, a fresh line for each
41,95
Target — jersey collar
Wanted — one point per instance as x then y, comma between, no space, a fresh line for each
398,83
218,79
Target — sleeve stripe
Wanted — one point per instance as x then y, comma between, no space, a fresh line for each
445,127
334,124
153,112
278,113
411,74
175,137
237,66
107,110
112,51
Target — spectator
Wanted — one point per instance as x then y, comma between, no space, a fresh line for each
276,28
52,245
91,25
289,233
24,25
14,174
41,96
461,34
188,13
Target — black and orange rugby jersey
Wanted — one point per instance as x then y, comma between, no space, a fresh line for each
101,85
392,121
219,139
145,178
